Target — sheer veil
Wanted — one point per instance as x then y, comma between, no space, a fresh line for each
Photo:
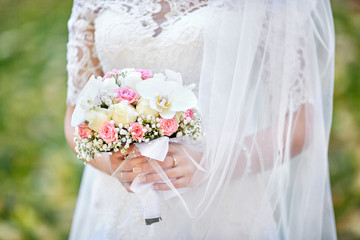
266,102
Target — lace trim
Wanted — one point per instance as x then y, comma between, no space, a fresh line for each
155,15
82,60
298,87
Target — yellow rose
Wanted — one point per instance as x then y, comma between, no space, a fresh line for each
123,113
97,118
143,107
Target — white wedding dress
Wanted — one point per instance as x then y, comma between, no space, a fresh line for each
169,34
118,34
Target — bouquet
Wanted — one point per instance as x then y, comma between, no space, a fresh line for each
132,106
135,106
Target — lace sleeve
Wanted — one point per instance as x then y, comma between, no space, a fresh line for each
82,60
300,85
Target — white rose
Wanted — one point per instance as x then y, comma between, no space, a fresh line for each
143,107
123,113
97,118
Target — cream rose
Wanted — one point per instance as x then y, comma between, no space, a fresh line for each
178,116
97,118
123,113
143,107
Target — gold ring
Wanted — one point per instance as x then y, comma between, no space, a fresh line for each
121,177
175,162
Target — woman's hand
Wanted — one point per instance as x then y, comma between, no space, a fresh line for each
177,166
134,165
125,170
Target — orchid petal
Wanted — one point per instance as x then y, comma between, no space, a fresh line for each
170,87
183,99
173,76
78,117
167,113
191,86
149,88
89,92
132,79
154,106
109,84
159,76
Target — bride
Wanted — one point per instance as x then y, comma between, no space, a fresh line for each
264,76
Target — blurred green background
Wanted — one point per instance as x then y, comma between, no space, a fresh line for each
39,175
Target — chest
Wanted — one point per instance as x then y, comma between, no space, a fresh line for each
158,35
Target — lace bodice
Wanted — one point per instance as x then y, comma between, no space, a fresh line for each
150,34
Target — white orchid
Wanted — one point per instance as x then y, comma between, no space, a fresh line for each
85,101
131,79
167,97
108,84
94,93
173,76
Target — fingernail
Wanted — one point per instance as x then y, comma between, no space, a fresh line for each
142,179
155,187
137,170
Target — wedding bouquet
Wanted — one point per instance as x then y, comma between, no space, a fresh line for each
132,106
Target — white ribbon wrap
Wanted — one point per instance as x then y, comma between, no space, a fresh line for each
156,150
150,199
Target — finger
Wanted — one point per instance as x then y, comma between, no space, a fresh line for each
168,162
125,177
117,154
146,167
133,153
173,148
115,164
152,177
178,183
129,164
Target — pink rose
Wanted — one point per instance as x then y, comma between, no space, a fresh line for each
84,131
115,71
126,93
189,114
136,130
145,74
169,126
108,133
107,75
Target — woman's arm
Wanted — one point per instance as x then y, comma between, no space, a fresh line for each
297,127
98,163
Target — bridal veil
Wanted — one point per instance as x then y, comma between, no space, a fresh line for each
266,102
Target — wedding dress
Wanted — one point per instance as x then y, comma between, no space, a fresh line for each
118,34
255,63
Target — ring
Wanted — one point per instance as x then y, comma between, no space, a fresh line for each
175,162
121,175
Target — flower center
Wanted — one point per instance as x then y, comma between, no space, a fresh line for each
163,101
